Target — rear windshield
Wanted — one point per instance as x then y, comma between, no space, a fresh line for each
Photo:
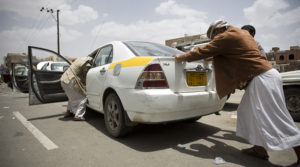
151,49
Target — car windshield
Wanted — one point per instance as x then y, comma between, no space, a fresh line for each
151,49
58,66
23,71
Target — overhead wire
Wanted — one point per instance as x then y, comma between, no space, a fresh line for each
34,28
39,29
40,23
30,34
97,34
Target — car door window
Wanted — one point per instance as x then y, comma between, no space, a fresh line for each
104,56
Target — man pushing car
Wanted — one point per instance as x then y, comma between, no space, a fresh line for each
263,118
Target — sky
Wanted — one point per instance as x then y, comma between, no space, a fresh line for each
86,25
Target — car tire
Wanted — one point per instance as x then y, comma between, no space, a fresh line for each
114,116
292,99
191,120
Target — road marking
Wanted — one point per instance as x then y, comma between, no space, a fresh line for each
46,142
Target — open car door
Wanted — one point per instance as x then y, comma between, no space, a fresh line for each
44,78
19,75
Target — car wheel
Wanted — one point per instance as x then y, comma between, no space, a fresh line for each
292,99
191,120
114,116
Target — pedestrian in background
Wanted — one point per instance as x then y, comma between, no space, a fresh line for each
73,81
252,31
263,118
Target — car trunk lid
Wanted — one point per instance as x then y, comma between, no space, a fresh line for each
187,76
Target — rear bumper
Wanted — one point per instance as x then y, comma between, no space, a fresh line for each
163,105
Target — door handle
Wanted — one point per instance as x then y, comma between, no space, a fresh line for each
103,70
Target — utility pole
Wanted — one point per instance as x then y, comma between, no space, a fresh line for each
58,44
51,11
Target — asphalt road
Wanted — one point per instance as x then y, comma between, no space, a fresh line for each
78,144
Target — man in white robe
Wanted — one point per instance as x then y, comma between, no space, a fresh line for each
262,115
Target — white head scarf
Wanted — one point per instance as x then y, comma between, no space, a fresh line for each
214,25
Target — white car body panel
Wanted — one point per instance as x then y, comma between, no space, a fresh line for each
162,105
152,105
94,93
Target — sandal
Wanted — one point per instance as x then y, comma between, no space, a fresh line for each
68,114
79,119
256,152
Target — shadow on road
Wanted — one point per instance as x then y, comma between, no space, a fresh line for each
227,152
149,138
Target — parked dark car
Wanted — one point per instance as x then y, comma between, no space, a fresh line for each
291,88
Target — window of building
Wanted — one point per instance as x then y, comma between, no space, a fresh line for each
281,57
291,57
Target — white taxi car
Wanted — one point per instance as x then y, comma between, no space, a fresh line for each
138,82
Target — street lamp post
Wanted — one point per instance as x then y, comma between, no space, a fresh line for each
51,11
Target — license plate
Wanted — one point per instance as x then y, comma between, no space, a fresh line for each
196,78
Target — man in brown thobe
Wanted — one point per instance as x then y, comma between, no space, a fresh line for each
262,115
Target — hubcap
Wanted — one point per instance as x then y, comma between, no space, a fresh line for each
113,116
293,104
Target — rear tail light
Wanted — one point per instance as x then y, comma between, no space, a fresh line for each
152,77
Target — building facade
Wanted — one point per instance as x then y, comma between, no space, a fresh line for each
287,60
284,57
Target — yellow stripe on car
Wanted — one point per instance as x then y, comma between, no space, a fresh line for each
135,61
